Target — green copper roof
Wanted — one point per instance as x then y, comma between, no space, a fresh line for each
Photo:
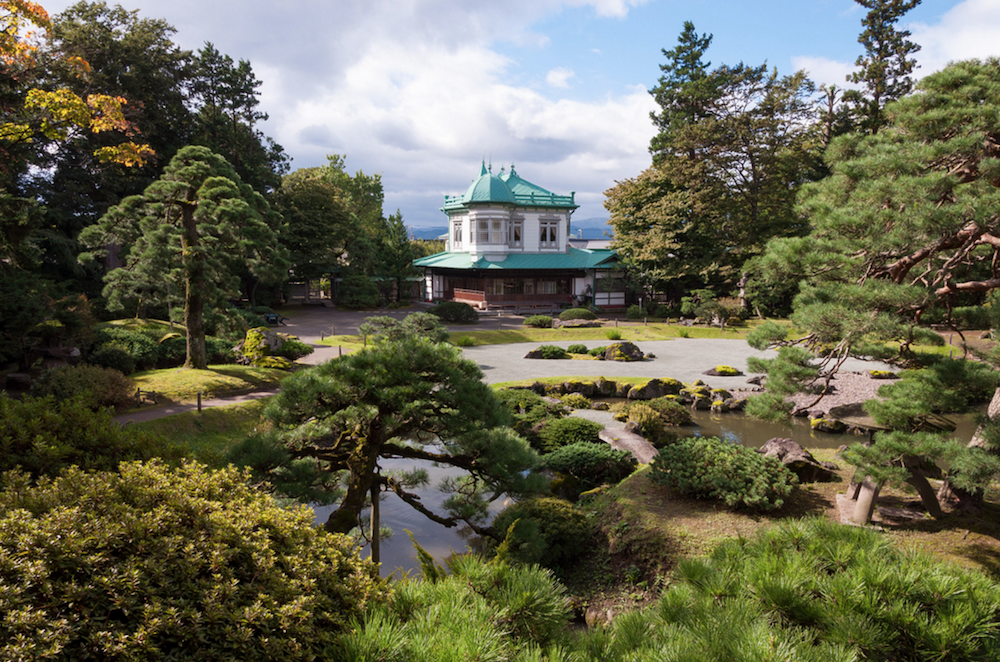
507,188
576,258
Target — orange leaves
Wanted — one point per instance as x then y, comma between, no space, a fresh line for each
19,21
56,113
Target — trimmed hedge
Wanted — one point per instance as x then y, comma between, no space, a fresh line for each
548,531
591,464
710,468
577,314
455,312
570,430
538,321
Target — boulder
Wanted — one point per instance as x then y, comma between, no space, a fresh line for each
17,381
586,389
829,425
799,461
607,387
652,389
623,351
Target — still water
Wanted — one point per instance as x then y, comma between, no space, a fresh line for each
397,553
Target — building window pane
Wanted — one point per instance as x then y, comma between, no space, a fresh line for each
456,235
496,232
483,235
515,233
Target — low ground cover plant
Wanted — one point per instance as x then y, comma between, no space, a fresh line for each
538,321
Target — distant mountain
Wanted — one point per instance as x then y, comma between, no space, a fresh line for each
591,228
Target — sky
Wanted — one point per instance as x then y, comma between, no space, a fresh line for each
424,91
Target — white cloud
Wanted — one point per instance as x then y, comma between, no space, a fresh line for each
824,71
968,30
559,77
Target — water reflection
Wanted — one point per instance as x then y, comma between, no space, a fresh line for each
398,554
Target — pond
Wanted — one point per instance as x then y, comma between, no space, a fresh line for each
398,555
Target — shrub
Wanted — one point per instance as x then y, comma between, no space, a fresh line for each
971,317
576,401
577,314
549,531
293,349
114,357
571,430
43,436
551,352
591,464
577,348
220,350
538,321
598,351
710,468
531,411
613,334
381,327
96,386
144,349
158,563
427,325
635,312
455,312
814,590
357,291
464,341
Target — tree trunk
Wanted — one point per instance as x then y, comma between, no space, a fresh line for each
375,523
964,499
865,505
194,290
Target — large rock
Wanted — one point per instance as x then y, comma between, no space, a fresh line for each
623,351
654,388
799,461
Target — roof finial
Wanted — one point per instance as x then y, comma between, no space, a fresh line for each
483,170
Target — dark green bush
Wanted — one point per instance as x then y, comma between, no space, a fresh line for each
531,411
577,314
96,386
356,292
635,312
114,357
971,317
538,321
549,531
576,349
219,350
455,312
598,351
143,348
155,563
43,436
551,352
571,430
591,464
293,348
710,468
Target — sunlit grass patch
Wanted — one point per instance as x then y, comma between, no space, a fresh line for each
184,384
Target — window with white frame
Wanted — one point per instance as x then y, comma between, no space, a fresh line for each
549,233
483,232
516,229
456,235
496,232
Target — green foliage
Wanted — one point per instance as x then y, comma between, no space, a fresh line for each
152,562
193,232
548,531
531,413
383,328
464,341
538,321
43,436
598,351
576,401
483,610
576,348
114,357
655,418
455,312
577,314
813,591
613,334
571,430
710,468
293,348
971,317
591,464
636,312
143,348
551,352
397,399
357,292
95,386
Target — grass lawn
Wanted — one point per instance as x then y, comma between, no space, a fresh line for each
183,384
150,326
208,435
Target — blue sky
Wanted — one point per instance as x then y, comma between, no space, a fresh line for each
422,90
